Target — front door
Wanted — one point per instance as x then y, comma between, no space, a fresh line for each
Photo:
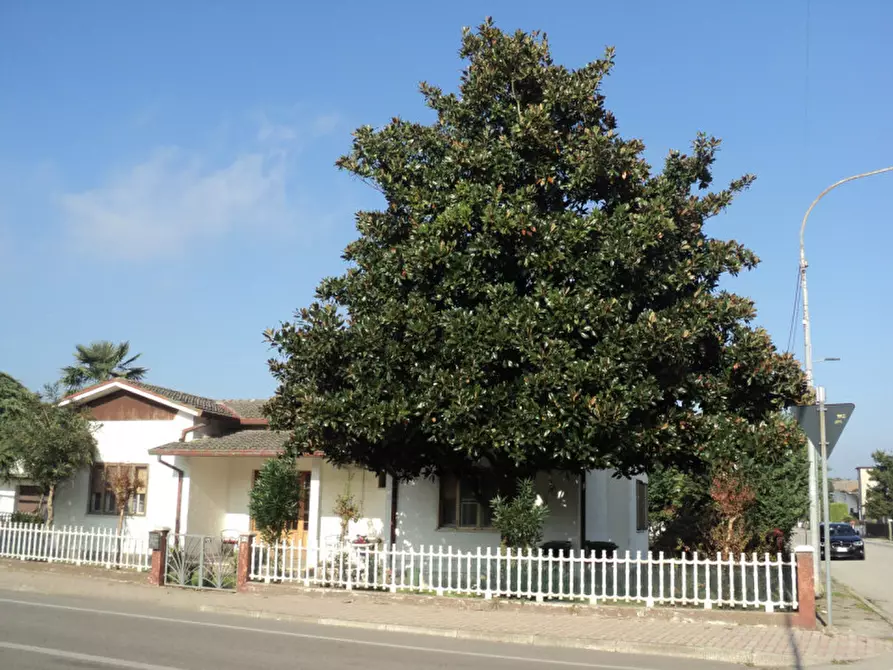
298,531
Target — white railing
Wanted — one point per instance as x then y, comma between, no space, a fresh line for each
767,582
76,545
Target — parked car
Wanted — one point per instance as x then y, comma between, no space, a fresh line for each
845,541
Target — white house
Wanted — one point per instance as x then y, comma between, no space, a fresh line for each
846,491
197,458
866,482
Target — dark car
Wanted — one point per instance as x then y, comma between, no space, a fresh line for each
845,541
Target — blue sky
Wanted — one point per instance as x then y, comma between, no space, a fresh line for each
166,168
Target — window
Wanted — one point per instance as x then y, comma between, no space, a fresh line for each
102,496
382,480
465,502
641,506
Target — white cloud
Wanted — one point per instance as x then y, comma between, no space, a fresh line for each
167,202
326,123
275,132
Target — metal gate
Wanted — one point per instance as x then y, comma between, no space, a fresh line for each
201,562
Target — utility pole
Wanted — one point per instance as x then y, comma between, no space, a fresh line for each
807,351
826,512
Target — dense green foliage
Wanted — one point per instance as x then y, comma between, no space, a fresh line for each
13,395
520,519
275,498
532,295
838,512
769,459
50,443
99,362
879,501
14,398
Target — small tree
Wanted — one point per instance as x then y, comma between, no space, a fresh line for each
125,484
346,508
520,520
879,501
275,498
53,444
732,499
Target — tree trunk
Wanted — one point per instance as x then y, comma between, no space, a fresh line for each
51,505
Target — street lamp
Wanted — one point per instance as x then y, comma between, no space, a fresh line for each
807,351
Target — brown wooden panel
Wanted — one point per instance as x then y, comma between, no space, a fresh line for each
125,406
28,500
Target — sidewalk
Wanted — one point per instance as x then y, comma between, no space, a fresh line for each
688,634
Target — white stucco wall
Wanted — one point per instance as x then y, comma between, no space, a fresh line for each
9,493
611,511
417,509
364,486
219,490
128,442
7,497
208,491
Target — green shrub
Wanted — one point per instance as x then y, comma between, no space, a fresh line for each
26,517
839,512
520,520
275,498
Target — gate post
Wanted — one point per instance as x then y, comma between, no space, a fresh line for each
243,567
805,614
158,545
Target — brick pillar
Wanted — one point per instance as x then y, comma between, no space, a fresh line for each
158,543
246,541
805,617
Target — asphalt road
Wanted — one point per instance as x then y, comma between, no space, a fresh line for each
51,633
870,578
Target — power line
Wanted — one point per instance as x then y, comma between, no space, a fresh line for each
792,331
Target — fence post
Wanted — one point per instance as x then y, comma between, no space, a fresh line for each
246,542
805,615
158,545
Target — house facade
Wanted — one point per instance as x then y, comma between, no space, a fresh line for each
196,458
866,482
846,491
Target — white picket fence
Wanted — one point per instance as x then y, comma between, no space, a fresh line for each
765,582
75,545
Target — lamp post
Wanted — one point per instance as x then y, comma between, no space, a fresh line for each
807,351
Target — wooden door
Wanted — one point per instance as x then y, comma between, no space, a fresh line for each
298,530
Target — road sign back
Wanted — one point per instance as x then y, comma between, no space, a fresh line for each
836,417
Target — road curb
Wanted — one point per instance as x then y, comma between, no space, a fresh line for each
754,658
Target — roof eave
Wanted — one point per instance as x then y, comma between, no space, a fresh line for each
96,390
262,453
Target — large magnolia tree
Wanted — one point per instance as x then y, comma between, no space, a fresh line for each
532,295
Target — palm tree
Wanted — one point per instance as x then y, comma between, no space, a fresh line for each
99,362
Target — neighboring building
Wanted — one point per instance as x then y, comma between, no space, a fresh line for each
866,481
19,495
847,491
197,459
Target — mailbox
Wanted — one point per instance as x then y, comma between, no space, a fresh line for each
155,540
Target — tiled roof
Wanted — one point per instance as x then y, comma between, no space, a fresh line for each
247,442
206,405
247,409
846,485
